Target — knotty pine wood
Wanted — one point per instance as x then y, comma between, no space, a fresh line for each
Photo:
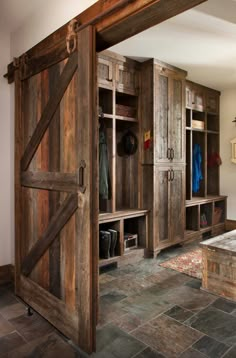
114,22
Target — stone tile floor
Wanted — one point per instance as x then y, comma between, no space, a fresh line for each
146,311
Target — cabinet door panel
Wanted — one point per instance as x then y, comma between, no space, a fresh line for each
212,99
105,73
127,80
176,211
177,121
161,119
163,205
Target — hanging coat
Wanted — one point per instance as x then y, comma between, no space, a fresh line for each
197,171
104,177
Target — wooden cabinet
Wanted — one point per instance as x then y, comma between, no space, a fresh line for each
203,201
127,79
105,73
122,211
165,119
163,115
212,101
171,198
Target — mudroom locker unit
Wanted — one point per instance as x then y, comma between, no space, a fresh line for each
58,213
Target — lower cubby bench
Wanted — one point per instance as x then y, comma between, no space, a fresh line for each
205,217
134,222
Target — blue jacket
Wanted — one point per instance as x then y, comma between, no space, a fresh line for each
197,171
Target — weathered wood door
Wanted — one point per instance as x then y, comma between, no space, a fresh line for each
56,191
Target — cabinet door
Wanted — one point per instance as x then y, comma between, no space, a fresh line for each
127,79
161,118
188,96
198,98
163,188
105,73
212,102
176,204
177,121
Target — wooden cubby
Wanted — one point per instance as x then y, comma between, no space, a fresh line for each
119,97
202,127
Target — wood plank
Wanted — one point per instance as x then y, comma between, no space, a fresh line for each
57,181
58,221
114,22
42,301
54,197
49,111
87,223
68,148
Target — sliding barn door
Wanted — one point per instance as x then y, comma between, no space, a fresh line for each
56,192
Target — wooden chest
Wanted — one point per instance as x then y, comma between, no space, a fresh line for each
219,265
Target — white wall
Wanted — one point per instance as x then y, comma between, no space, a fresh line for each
50,16
6,161
228,132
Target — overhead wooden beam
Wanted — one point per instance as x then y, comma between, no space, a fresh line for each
114,21
67,182
50,109
58,221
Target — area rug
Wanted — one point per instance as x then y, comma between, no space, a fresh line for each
189,263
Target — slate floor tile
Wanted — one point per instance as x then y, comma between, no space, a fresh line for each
11,341
149,353
179,313
167,336
7,299
191,353
194,284
210,347
5,327
112,297
31,327
224,305
113,342
128,322
216,324
189,298
13,311
231,353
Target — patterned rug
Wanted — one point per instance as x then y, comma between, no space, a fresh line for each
189,263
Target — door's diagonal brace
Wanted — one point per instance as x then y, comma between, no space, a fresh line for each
50,109
58,221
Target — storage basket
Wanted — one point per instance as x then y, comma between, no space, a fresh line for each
217,215
126,111
197,124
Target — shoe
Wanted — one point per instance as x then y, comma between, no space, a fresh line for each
114,235
104,244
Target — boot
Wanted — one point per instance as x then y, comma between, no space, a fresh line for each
104,244
114,235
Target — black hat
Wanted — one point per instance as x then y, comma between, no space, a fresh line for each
130,143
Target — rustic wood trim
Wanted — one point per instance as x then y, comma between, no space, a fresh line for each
58,221
50,181
49,110
19,203
87,221
6,274
114,22
41,300
230,225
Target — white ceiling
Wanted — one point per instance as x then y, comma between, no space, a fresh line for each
201,41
